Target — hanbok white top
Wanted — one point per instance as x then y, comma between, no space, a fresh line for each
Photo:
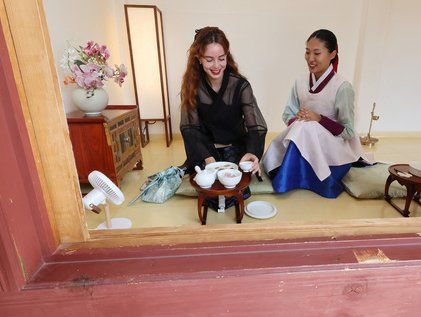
319,147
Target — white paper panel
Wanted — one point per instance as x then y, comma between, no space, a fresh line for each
146,62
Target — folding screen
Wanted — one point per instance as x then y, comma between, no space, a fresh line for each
147,52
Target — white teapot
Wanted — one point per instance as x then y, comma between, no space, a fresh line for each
204,178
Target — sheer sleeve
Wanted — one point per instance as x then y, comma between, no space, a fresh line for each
344,105
196,142
292,107
255,124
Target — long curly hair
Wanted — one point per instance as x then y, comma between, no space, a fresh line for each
191,77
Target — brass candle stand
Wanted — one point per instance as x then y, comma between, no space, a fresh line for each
368,139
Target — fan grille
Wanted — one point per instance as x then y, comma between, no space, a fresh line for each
103,183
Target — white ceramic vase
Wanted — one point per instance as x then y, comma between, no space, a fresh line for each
91,102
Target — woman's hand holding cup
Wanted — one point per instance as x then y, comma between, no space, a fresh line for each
250,163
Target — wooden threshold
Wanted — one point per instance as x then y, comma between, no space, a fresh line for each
69,267
248,232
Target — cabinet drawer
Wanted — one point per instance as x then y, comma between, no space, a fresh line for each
125,141
109,143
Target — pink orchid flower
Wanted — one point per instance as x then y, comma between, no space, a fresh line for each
89,67
121,73
109,72
123,70
104,52
91,48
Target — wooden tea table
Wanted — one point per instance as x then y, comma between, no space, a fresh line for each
412,184
218,189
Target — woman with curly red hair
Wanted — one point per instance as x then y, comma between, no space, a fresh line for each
220,119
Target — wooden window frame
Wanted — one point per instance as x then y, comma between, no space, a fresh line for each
45,245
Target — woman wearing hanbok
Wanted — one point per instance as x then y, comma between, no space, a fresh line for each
320,143
220,119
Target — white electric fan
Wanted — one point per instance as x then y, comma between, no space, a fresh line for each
105,189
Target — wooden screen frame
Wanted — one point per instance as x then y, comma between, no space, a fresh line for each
24,27
163,77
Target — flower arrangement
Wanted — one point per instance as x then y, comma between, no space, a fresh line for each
89,68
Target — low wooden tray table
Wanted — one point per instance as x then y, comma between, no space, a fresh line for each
218,189
412,184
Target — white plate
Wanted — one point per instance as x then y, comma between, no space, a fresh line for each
216,166
260,210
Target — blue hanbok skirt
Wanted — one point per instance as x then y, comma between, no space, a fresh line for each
296,173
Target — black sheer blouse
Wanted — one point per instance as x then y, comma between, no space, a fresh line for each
229,117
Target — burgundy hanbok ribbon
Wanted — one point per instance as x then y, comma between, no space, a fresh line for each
322,84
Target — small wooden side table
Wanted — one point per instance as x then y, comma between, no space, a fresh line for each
412,184
218,189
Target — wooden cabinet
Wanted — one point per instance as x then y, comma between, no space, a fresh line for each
109,143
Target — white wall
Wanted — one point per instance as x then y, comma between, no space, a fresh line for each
377,39
267,40
391,66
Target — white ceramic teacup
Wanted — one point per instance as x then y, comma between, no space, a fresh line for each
246,166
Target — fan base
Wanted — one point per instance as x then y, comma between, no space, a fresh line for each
116,223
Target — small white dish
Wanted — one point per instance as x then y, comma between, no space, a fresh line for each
246,166
229,177
260,210
217,166
415,168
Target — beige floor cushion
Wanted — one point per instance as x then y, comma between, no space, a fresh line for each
368,182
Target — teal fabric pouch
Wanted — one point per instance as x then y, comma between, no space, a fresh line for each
160,187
